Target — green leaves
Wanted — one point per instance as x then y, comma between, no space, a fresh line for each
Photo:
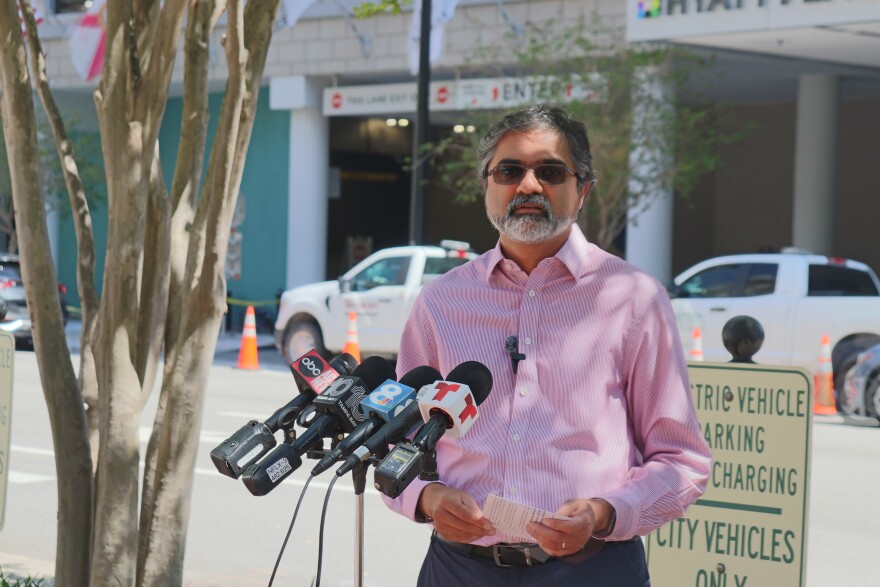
369,9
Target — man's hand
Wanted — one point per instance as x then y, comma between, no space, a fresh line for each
565,537
456,515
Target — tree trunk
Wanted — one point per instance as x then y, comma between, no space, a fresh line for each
63,399
204,288
119,387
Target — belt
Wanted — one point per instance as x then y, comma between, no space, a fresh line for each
504,554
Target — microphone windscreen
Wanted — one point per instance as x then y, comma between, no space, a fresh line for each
421,376
344,363
475,375
374,370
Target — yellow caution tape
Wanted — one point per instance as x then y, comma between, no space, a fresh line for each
255,303
230,301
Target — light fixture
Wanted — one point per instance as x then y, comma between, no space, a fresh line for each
459,128
403,122
391,122
471,128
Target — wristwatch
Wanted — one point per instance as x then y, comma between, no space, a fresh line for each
612,520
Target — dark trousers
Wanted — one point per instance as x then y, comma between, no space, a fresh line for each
614,564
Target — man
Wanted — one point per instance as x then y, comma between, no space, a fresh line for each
595,423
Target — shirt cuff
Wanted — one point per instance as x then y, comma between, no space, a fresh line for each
628,509
410,500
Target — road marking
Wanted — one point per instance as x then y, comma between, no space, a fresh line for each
16,477
297,482
15,448
240,415
210,436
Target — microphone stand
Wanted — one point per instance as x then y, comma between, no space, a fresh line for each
359,479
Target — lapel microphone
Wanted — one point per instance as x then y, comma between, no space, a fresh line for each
511,346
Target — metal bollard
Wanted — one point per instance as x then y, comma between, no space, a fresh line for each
742,337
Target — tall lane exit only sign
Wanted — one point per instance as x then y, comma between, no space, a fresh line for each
749,527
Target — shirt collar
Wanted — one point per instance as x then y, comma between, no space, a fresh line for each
574,254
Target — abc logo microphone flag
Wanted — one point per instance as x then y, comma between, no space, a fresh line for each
453,399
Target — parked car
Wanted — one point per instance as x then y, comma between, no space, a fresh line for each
796,296
18,319
861,389
380,289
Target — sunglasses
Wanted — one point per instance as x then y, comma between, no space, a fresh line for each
545,173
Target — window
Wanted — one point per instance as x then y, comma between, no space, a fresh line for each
437,266
60,6
716,282
836,280
10,271
761,280
391,271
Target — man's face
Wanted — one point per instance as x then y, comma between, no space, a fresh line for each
529,211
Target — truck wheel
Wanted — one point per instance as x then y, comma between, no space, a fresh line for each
299,338
872,396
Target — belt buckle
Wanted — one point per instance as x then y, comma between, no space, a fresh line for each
496,554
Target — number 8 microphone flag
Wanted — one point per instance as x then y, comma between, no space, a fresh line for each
88,42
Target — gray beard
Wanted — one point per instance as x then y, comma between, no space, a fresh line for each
530,228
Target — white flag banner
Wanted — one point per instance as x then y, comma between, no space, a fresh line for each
88,41
291,11
441,13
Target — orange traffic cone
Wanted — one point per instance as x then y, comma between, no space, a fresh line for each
697,345
823,401
351,338
247,354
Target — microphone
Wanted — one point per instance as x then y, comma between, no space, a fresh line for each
247,445
511,346
381,406
338,406
448,407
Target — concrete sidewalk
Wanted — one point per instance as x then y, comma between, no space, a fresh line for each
226,341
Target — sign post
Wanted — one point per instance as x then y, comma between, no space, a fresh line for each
749,529
7,356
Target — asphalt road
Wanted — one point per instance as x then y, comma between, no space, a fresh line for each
234,537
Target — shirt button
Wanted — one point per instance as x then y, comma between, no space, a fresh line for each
512,489
528,340
531,293
516,437
523,391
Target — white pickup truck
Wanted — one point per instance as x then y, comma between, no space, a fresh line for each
797,297
381,289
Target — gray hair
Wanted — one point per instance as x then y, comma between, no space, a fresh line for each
540,117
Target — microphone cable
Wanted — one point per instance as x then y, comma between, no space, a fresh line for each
321,531
289,530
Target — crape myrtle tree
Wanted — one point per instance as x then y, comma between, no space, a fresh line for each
164,287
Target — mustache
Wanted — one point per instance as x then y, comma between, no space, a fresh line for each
533,199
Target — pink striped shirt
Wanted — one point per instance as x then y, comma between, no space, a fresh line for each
600,406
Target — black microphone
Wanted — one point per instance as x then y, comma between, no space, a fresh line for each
448,407
253,440
511,346
338,406
392,403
